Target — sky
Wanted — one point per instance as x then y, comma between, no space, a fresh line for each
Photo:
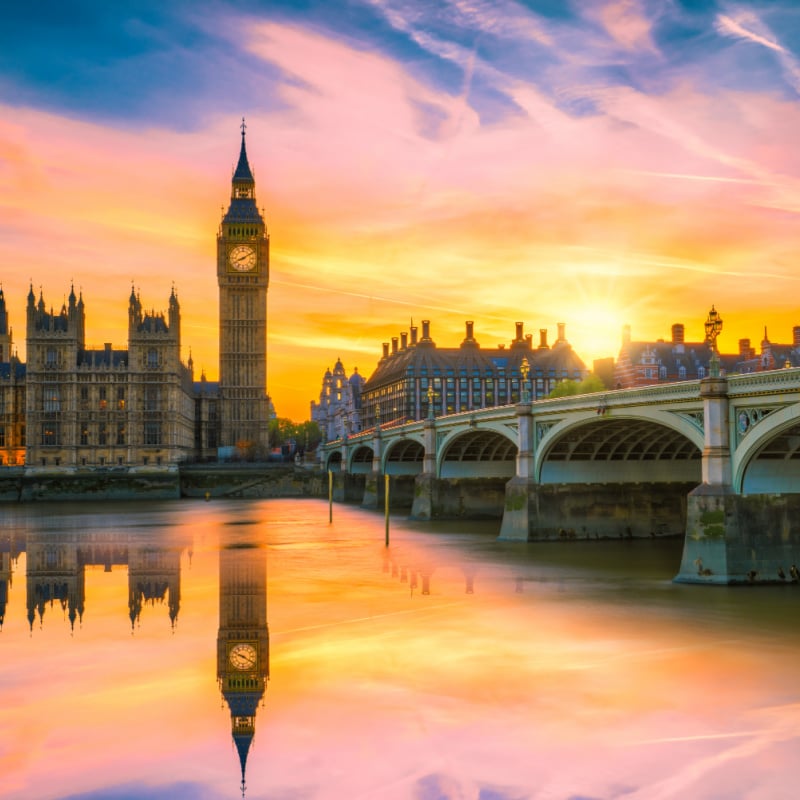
599,164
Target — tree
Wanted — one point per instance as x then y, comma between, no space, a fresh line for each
589,385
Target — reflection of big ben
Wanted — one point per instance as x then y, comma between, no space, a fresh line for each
243,639
243,276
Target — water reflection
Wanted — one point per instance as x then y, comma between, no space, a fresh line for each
243,636
57,563
448,665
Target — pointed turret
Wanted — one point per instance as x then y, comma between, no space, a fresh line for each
243,208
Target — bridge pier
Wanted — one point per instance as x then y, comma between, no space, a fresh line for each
733,538
457,498
348,487
553,512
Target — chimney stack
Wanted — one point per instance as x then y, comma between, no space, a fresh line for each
394,345
518,326
562,337
413,335
469,330
678,333
386,349
543,338
426,330
403,340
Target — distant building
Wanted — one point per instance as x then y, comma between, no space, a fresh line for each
72,405
339,408
643,363
88,407
462,378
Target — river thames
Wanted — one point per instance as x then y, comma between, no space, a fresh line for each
150,650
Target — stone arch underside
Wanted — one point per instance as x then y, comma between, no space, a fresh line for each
403,457
361,460
775,466
334,461
621,451
479,454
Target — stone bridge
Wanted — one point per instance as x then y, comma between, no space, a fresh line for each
716,460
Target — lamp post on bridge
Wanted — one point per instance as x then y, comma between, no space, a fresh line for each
431,395
713,326
524,370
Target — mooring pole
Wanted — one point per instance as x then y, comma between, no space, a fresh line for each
386,498
330,496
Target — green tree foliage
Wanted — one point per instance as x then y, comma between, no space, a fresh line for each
590,384
301,435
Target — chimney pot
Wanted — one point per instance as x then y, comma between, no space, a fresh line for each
518,326
413,334
426,330
543,337
678,333
562,337
394,345
469,330
385,349
403,340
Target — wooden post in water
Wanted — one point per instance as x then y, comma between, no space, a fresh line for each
386,503
330,496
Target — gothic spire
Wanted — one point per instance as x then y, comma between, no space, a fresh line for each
243,172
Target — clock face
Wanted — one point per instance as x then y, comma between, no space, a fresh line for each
243,656
242,258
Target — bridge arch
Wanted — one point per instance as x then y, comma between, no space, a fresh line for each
477,453
767,460
361,459
403,456
658,447
333,463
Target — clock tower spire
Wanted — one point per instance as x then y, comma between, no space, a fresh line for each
243,278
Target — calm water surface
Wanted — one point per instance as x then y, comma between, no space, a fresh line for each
137,641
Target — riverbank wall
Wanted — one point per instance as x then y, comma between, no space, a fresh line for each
26,485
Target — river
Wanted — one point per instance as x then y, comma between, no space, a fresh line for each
152,650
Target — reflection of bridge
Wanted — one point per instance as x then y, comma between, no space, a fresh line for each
718,459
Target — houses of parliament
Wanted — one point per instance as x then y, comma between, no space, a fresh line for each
72,407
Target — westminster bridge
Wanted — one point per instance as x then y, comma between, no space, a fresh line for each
716,460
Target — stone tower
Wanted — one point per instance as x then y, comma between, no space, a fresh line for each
243,277
243,639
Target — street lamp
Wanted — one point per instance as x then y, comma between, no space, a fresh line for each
431,394
713,327
524,370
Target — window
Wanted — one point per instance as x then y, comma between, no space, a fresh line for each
51,397
2,435
152,398
152,433
102,434
152,358
51,433
682,373
84,394
121,398
51,358
103,398
701,372
121,433
84,432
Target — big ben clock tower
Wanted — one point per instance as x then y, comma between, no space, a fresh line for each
243,277
243,639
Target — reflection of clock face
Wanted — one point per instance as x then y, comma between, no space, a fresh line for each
243,656
242,258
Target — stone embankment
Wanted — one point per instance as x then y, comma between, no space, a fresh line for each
21,485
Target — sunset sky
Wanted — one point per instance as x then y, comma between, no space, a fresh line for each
593,163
